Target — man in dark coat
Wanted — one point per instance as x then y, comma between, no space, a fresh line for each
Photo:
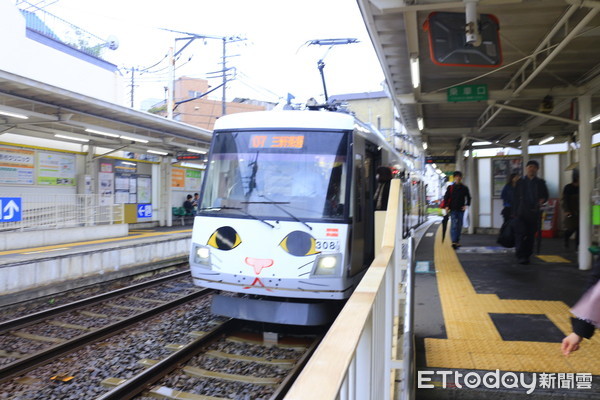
530,193
570,205
456,201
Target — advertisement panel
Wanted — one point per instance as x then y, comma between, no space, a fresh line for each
16,166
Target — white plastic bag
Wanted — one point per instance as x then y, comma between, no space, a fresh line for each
466,218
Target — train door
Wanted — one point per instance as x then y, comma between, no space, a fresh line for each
363,183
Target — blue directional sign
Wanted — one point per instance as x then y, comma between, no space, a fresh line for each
144,210
10,209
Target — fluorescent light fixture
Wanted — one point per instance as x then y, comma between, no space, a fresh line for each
420,123
128,163
14,115
424,145
546,140
480,143
72,138
594,118
160,153
134,139
192,165
414,72
434,165
191,150
102,133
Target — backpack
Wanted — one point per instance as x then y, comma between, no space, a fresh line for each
444,203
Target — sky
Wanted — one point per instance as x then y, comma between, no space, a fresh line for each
271,62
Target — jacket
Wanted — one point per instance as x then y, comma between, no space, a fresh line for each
570,204
527,196
580,326
457,196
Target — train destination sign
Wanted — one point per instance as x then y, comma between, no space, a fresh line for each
182,156
276,140
440,160
468,93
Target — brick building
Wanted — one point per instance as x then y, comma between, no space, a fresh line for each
203,112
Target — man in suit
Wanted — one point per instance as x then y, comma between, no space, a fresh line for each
530,193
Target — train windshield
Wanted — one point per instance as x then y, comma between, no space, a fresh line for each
287,174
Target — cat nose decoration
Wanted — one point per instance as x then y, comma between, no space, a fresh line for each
258,263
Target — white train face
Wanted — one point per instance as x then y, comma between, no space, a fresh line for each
257,258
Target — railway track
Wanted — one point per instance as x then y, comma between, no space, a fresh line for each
32,306
156,339
35,339
225,363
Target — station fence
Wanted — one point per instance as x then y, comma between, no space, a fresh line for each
58,211
368,353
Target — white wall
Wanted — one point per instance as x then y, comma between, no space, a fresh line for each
28,58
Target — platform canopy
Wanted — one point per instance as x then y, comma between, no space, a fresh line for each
36,109
549,57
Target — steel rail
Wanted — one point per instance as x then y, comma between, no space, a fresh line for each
44,356
291,377
141,381
144,379
53,312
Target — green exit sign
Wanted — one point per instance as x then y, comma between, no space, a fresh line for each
468,93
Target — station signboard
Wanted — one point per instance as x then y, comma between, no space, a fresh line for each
464,93
10,209
144,210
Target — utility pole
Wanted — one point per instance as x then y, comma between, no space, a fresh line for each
190,38
223,103
170,98
132,85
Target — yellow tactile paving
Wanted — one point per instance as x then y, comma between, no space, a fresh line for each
475,343
552,259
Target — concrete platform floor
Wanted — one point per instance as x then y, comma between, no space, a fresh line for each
478,312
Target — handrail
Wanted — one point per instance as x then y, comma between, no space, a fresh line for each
354,360
58,211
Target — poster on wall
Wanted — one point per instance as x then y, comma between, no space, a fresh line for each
122,182
16,166
132,186
121,196
55,169
144,189
193,179
178,178
499,175
106,188
501,170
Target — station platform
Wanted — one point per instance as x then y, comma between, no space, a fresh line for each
478,312
38,271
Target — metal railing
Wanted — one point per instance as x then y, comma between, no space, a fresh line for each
58,211
53,27
358,359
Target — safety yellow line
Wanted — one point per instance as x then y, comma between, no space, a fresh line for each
99,241
473,340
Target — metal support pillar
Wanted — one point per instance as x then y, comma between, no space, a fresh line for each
165,201
524,149
474,208
585,181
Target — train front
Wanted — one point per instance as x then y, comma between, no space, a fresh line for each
273,226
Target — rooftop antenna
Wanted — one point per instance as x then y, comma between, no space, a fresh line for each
321,63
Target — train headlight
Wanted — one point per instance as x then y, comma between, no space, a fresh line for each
202,255
327,265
